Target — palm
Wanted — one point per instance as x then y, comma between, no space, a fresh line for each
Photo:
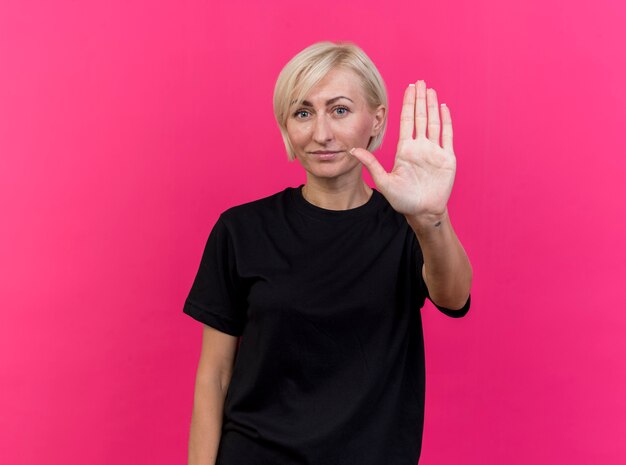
421,180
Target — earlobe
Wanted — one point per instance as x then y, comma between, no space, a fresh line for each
376,128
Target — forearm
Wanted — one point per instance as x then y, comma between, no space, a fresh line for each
448,272
206,423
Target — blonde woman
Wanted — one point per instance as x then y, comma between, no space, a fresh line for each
324,282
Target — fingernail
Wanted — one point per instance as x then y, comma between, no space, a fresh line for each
352,150
412,84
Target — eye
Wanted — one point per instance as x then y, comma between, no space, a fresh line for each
341,111
300,112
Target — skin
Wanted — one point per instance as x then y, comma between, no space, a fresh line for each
418,186
335,184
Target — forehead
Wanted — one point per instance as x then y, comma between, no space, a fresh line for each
338,81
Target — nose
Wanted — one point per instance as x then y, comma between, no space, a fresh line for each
322,132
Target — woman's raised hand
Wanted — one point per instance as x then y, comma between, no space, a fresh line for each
421,180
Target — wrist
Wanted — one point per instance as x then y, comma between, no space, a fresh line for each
426,222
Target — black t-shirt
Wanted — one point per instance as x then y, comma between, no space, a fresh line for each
330,366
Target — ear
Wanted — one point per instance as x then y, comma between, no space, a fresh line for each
379,119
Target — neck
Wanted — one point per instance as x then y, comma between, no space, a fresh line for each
336,195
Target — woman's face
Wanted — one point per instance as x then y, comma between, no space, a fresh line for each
334,118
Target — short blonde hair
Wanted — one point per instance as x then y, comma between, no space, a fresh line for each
310,66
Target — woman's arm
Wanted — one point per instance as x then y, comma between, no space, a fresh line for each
419,187
212,380
447,270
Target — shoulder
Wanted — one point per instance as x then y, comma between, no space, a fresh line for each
258,210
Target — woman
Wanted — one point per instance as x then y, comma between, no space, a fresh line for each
324,282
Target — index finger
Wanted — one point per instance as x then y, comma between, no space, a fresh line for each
407,113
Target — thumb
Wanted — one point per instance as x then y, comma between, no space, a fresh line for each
371,163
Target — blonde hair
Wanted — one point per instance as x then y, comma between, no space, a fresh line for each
310,66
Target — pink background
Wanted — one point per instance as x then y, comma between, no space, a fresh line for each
127,127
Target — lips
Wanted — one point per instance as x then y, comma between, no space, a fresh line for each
325,152
325,155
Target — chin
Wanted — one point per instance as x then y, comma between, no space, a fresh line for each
330,170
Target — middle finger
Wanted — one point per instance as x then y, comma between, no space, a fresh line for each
421,118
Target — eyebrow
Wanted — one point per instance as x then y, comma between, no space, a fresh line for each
328,102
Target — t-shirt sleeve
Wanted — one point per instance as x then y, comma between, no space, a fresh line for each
217,297
419,260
